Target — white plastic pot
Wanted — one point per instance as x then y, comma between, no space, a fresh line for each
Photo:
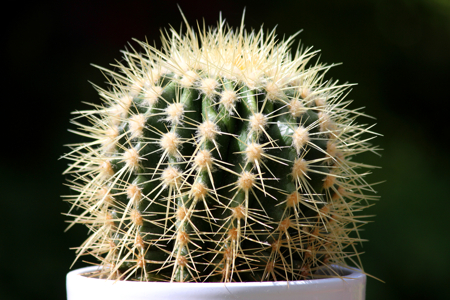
350,287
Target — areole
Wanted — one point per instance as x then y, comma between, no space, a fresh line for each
351,286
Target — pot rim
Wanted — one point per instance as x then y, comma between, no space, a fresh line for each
350,286
349,274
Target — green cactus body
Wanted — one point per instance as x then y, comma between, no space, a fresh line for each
219,158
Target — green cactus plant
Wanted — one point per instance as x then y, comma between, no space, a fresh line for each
221,157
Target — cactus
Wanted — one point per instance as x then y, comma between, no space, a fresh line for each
221,157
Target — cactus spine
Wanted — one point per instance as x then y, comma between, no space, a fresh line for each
220,157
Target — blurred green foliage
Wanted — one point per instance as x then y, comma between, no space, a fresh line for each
398,52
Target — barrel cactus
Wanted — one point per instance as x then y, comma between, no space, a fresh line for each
221,157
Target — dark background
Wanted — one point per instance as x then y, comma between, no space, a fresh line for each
397,51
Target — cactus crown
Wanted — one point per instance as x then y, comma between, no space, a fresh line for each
221,157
